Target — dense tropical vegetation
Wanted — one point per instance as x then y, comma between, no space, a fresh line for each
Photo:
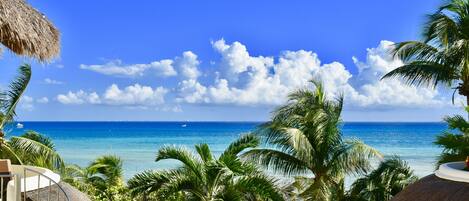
102,179
455,141
305,137
391,177
207,177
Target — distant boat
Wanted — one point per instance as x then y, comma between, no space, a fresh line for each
18,125
184,125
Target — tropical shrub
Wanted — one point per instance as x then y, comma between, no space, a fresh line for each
454,141
102,179
206,177
390,178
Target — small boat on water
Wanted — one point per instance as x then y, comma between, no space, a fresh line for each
18,125
184,125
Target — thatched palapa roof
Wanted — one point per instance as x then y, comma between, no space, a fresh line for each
26,31
51,194
433,188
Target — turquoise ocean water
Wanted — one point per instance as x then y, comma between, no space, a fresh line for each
137,142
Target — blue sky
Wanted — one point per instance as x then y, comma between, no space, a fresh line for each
224,61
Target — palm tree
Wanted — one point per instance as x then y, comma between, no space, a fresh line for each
14,147
102,179
391,177
455,141
206,177
305,138
37,158
442,56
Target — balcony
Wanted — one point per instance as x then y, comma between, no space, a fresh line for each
30,183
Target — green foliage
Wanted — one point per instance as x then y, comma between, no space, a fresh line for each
205,177
11,98
442,56
31,148
305,138
391,177
101,180
36,149
455,141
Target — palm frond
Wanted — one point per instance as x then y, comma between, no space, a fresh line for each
259,184
182,182
409,51
109,167
242,143
204,152
33,135
17,88
351,157
289,140
182,155
424,73
277,161
148,181
453,143
441,29
7,152
36,153
457,122
391,177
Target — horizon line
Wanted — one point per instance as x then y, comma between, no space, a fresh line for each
202,121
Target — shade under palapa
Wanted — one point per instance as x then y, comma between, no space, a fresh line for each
26,31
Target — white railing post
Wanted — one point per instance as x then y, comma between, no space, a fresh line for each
17,179
51,181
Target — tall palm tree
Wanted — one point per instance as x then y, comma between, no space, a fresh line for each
13,147
206,177
391,177
305,138
442,57
102,179
455,141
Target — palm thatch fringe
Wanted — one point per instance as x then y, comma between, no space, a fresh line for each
26,31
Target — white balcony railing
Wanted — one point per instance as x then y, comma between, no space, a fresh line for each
35,183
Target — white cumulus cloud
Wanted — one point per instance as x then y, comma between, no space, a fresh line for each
163,68
371,91
244,79
134,95
43,100
26,103
51,81
187,65
78,97
240,78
